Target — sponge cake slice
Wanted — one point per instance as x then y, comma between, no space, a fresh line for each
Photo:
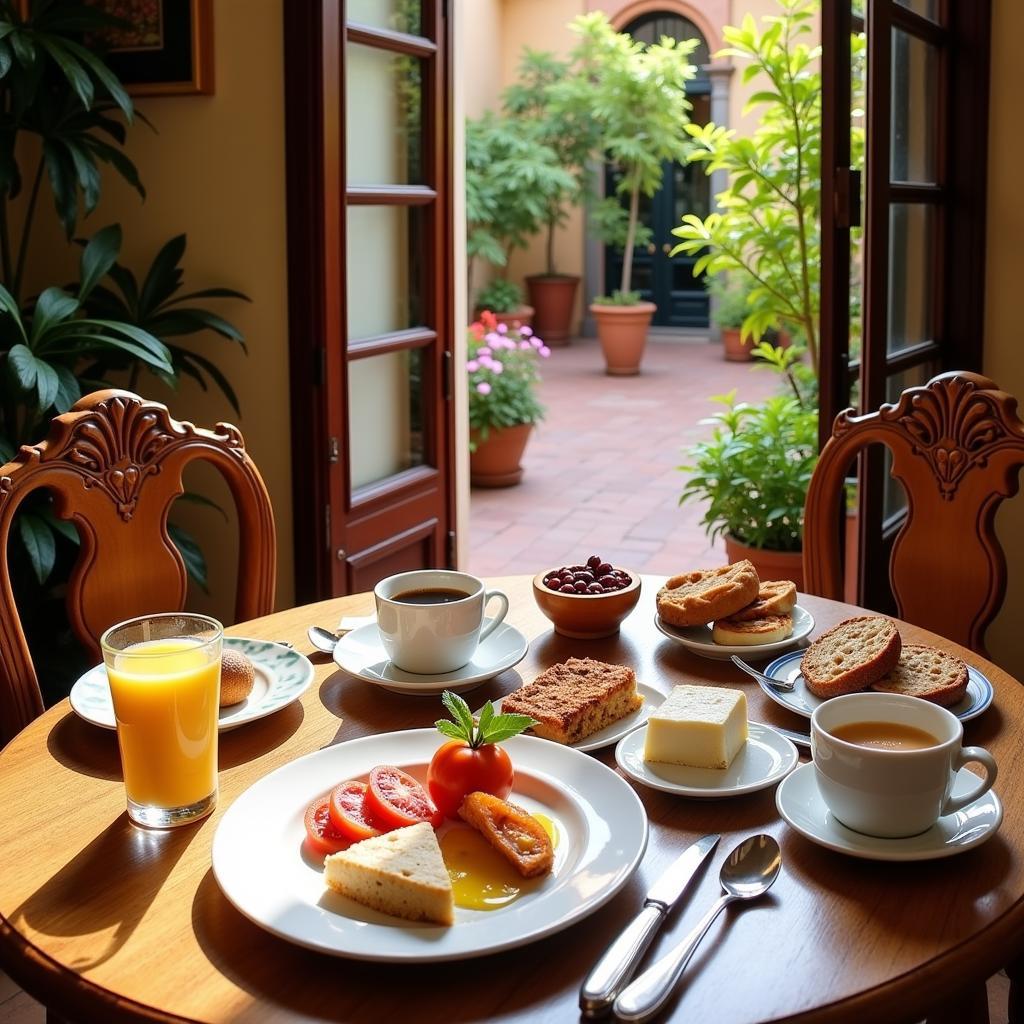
400,873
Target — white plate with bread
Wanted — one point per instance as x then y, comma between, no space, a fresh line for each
769,638
802,701
266,871
278,676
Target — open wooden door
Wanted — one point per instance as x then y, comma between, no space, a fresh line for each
924,226
370,296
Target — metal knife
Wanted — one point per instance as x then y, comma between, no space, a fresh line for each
618,962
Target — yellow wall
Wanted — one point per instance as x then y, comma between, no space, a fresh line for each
215,170
1004,356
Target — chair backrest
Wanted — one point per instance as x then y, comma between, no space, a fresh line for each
957,445
114,465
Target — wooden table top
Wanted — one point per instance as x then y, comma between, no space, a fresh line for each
105,921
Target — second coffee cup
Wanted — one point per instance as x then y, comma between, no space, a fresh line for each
885,763
432,620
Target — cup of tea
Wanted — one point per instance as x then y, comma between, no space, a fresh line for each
164,673
431,621
885,762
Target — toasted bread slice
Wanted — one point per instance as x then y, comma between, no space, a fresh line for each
704,595
928,673
576,698
400,873
513,832
774,597
851,656
750,633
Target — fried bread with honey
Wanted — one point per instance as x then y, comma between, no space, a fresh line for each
518,836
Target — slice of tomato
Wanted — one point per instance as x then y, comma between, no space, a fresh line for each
321,834
348,811
395,799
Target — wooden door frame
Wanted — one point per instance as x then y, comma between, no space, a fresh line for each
314,45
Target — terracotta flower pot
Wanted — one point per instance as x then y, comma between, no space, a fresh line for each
553,296
623,334
770,565
734,350
495,463
523,316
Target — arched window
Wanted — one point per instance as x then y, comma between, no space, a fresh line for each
650,28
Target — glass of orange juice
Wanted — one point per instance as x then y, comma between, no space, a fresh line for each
164,673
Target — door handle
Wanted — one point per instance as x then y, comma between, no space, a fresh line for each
651,248
666,248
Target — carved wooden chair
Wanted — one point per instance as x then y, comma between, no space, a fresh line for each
957,445
114,466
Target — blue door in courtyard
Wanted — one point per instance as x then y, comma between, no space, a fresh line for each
666,281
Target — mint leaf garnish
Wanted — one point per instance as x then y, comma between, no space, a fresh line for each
492,728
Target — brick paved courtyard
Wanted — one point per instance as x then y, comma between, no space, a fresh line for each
600,470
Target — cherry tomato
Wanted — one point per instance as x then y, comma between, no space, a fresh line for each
321,834
395,799
349,816
457,769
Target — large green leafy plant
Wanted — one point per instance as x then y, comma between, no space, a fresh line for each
64,117
635,96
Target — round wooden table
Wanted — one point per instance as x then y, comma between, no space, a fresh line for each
103,921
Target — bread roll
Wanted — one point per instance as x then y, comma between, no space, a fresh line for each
237,676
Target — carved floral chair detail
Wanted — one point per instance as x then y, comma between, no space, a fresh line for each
114,466
957,446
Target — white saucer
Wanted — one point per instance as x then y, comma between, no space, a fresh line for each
698,639
360,654
803,702
800,804
282,676
766,758
614,732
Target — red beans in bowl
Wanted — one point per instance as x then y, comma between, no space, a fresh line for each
596,577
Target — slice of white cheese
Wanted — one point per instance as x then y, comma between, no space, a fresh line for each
699,726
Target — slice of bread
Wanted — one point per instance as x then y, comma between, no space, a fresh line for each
400,873
576,698
752,632
699,597
774,597
851,656
928,673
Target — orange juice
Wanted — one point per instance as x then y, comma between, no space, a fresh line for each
166,697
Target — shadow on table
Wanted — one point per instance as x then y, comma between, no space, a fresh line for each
133,862
254,739
85,748
299,982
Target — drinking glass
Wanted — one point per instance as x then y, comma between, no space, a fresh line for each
164,673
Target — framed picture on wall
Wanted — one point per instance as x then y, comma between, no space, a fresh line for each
165,48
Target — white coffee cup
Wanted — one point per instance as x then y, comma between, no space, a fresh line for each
431,639
892,793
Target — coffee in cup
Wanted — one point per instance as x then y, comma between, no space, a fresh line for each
431,621
885,763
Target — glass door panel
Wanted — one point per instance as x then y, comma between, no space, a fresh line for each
911,275
396,15
914,95
383,117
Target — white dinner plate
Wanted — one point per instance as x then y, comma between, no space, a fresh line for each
800,804
614,732
261,864
803,702
765,758
282,676
361,654
698,639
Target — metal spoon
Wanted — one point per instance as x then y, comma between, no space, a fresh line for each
784,685
323,639
748,873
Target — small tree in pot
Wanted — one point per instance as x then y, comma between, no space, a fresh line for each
570,133
636,96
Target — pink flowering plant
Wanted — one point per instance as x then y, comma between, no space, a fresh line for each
503,376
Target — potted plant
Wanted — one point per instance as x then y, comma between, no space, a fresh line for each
754,470
511,176
503,407
636,96
504,299
571,137
728,311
